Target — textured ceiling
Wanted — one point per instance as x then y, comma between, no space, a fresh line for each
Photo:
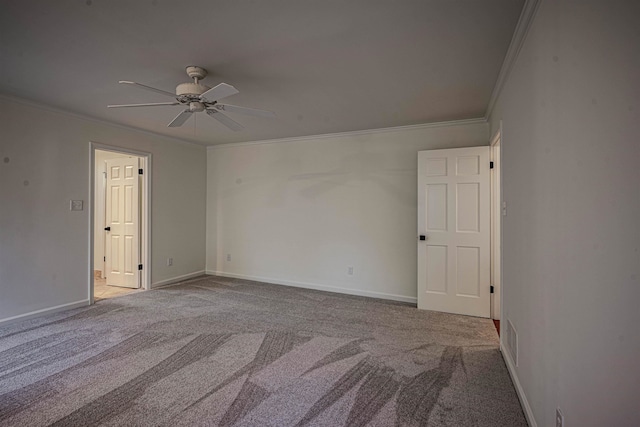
321,66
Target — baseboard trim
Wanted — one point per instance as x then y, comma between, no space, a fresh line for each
519,390
42,312
171,281
317,287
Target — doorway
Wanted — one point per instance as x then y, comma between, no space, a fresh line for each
120,222
498,210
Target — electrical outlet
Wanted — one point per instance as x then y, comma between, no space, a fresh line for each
559,418
504,208
350,270
76,205
169,262
229,257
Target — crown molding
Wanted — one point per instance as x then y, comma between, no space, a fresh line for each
46,107
480,120
519,35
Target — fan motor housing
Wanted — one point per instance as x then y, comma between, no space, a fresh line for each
191,89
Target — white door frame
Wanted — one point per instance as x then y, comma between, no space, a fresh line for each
145,214
496,222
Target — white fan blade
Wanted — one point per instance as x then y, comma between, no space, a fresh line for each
220,91
234,126
244,110
152,89
153,104
180,119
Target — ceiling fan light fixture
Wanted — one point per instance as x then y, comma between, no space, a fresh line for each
196,98
196,107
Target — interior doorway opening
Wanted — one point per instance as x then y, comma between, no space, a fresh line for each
498,209
119,243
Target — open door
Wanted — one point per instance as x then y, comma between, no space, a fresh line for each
122,223
454,227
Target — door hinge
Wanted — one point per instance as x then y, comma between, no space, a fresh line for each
491,289
139,266
490,165
104,259
139,171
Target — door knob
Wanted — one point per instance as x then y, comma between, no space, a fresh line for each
107,229
423,237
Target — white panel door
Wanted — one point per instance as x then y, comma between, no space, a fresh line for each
123,223
454,218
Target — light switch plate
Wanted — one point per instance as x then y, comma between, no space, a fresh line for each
76,205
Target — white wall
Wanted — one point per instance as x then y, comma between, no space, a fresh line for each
302,211
44,259
99,202
571,154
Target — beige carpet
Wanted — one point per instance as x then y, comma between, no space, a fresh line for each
217,351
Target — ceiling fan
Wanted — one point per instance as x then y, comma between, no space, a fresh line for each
198,97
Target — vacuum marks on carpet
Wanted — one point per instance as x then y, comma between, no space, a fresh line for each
241,362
